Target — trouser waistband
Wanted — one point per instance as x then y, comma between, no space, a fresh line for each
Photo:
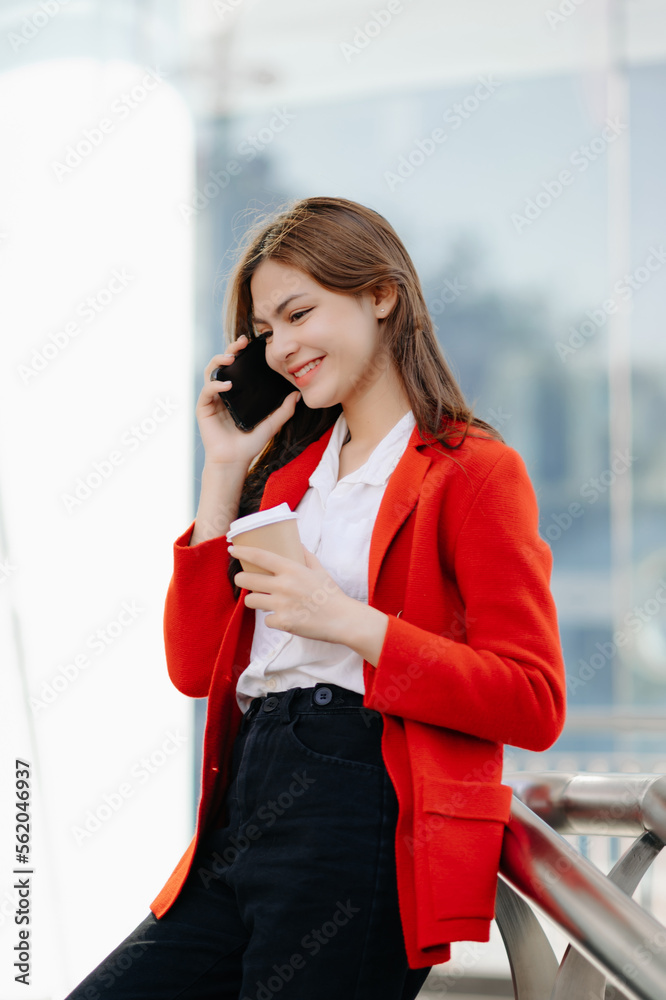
321,697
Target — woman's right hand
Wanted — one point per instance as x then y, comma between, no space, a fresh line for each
224,443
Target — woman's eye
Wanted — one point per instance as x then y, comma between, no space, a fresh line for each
294,316
303,312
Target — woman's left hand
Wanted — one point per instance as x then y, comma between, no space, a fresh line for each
305,600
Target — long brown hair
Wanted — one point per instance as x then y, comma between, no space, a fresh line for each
349,248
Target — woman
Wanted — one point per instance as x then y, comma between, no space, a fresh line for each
352,811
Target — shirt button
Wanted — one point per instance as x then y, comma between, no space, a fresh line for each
271,704
323,695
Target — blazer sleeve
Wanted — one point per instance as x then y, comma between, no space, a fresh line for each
198,606
506,681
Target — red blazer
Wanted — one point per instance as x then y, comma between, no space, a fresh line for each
472,662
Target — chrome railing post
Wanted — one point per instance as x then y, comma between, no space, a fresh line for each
613,938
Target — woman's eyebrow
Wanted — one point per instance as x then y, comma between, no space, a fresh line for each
281,306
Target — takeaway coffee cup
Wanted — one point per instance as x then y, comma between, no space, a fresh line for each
275,529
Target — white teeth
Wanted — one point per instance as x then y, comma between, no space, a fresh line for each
306,368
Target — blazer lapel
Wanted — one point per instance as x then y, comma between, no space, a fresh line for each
290,482
400,497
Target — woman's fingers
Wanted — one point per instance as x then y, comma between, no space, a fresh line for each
225,359
213,386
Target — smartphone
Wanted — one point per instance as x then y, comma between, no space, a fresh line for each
256,389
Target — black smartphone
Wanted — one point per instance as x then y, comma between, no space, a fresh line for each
256,389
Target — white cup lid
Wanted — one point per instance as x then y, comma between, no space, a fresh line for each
261,518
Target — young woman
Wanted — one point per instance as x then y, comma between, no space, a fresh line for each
352,810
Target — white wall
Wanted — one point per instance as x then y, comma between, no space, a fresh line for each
108,737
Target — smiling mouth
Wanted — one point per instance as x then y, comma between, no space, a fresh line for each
306,368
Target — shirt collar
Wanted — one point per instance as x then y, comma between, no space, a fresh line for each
380,464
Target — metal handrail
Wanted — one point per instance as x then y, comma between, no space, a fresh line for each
621,805
619,939
613,721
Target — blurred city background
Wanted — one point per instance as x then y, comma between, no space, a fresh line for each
517,149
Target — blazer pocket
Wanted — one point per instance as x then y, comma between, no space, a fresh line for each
459,828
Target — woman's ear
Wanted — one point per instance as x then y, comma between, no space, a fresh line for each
385,298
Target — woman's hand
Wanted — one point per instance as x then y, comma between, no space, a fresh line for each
224,443
305,600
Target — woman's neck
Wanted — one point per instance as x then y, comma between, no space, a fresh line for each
371,419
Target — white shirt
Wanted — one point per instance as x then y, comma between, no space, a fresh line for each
335,521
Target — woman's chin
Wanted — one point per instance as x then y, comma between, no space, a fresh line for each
315,400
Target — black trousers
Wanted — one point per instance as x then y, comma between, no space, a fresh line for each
296,896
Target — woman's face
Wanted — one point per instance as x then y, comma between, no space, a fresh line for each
307,321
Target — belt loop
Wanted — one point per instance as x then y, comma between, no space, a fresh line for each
252,710
285,715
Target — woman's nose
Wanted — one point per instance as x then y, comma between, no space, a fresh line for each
281,347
